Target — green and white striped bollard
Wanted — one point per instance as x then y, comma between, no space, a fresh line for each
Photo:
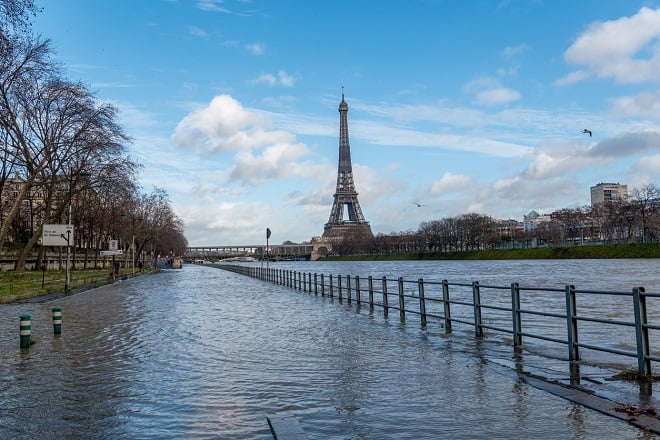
26,331
57,320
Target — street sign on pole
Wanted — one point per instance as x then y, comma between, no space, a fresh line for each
107,253
57,235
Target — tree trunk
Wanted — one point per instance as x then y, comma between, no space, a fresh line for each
25,253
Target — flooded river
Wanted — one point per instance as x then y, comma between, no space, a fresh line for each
205,353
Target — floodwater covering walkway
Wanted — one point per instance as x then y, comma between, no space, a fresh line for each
205,353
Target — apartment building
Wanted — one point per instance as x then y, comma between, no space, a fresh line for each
609,192
532,220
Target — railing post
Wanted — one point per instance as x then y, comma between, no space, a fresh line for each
385,306
331,287
371,292
447,307
402,306
476,300
339,288
515,315
422,304
316,284
641,331
322,285
571,322
348,288
357,289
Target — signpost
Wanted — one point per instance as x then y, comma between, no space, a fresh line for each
57,235
106,253
60,235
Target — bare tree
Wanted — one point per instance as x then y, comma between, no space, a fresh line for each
15,16
646,204
24,63
66,117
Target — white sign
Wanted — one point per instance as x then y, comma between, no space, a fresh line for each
113,245
57,235
106,253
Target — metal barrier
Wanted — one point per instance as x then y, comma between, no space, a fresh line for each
463,303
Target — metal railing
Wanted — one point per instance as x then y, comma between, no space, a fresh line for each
547,314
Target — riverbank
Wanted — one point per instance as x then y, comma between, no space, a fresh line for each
37,286
609,251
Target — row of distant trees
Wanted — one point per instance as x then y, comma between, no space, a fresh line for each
64,156
637,220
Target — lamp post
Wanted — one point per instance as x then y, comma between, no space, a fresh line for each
267,250
67,281
133,253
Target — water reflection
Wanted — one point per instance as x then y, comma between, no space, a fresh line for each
204,353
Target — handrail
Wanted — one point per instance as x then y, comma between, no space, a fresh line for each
478,307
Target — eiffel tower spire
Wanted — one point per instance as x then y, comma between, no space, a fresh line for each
346,216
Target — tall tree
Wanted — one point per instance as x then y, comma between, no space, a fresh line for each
646,203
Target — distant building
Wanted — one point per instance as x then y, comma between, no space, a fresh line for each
532,220
609,193
508,227
30,213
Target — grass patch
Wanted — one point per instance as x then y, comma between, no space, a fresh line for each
24,284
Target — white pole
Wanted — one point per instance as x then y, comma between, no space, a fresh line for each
67,282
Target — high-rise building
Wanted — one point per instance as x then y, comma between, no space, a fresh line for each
609,193
346,218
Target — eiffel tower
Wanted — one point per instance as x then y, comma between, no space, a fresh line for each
346,218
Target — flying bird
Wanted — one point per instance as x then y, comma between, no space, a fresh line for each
419,205
587,131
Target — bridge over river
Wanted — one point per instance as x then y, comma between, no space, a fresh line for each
259,252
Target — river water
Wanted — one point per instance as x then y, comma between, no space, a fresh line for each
205,353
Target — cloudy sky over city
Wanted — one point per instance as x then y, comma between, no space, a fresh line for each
474,106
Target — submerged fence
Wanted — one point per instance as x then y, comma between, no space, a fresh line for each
547,314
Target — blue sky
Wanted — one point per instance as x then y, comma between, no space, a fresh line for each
462,106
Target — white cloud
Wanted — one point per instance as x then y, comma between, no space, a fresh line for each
256,48
497,96
282,79
572,77
451,183
488,91
265,78
197,31
273,162
648,167
626,49
285,79
644,104
223,125
512,51
212,5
